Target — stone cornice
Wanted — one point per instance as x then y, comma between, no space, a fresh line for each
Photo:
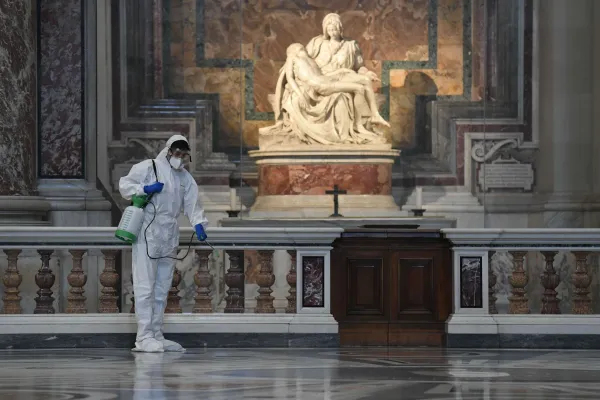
582,239
229,238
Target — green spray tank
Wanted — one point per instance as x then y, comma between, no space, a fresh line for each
133,217
131,222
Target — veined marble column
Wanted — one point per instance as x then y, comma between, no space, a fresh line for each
566,75
596,86
18,114
17,98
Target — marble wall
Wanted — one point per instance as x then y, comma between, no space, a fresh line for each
61,78
17,97
417,48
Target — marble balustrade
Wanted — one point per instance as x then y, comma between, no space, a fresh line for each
526,271
228,244
525,288
109,280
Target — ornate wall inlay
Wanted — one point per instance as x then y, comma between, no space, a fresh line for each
501,165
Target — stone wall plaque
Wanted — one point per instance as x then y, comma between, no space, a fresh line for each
505,175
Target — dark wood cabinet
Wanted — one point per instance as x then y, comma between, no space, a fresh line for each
391,287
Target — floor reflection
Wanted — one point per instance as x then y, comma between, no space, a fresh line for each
346,374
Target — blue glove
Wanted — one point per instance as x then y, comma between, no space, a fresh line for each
200,232
156,187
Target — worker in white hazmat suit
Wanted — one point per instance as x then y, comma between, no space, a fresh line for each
154,251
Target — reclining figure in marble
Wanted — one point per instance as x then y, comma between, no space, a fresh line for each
303,70
315,108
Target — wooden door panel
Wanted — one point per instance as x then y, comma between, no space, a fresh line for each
415,288
400,335
364,334
365,287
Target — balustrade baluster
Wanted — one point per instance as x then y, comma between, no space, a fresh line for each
109,279
12,280
203,280
581,281
550,281
518,302
77,279
492,279
291,280
44,279
235,279
132,310
265,279
173,299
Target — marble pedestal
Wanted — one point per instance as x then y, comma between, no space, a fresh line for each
293,181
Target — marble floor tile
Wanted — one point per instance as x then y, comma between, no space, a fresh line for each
344,374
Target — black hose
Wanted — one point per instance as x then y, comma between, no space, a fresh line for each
172,258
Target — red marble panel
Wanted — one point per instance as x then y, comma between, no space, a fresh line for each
315,179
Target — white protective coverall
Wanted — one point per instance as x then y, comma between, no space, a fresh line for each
152,278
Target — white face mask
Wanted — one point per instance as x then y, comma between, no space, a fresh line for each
176,163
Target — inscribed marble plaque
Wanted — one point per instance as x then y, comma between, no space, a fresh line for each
505,176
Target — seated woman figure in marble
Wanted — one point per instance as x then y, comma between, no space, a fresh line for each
332,103
303,71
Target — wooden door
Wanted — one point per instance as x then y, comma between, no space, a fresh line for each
360,296
394,292
420,301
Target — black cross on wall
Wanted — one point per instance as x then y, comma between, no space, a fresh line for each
336,192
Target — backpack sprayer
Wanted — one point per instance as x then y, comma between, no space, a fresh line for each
133,218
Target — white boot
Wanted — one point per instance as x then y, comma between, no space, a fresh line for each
149,345
170,345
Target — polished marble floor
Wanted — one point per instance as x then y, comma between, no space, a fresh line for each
345,374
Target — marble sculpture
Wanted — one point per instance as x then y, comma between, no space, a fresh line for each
324,94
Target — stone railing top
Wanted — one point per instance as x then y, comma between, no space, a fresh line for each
533,238
17,237
14,237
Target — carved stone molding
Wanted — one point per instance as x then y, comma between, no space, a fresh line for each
203,280
12,280
498,162
291,280
581,280
77,280
235,279
550,280
44,279
483,150
518,301
109,279
265,279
